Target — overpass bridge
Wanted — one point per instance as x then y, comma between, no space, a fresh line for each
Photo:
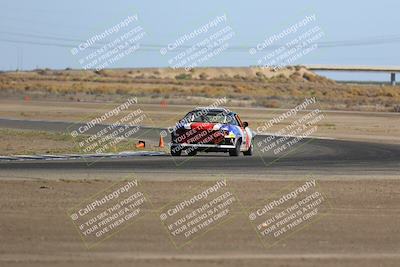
390,69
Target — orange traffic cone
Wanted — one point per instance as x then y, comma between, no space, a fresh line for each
141,144
161,142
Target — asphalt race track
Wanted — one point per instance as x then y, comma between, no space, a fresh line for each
307,154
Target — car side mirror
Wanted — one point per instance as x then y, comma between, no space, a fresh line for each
245,124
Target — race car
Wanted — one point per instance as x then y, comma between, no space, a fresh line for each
211,130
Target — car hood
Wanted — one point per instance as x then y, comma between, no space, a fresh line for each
203,126
208,126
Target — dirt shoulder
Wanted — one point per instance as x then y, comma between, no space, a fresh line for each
359,229
29,142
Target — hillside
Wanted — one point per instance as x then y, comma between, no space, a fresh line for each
243,86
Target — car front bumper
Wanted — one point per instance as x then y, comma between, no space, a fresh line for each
184,145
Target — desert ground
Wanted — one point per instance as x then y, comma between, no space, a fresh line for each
246,86
359,229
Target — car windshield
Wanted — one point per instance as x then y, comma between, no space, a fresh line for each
210,117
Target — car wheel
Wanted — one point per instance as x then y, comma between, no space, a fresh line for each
175,151
192,152
234,152
249,152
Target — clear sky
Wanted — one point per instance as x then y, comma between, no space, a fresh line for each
41,33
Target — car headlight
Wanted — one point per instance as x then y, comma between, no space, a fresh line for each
216,127
230,135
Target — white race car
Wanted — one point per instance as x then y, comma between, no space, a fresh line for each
212,130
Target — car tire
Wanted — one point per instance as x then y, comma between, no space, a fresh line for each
234,152
249,152
175,151
192,152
